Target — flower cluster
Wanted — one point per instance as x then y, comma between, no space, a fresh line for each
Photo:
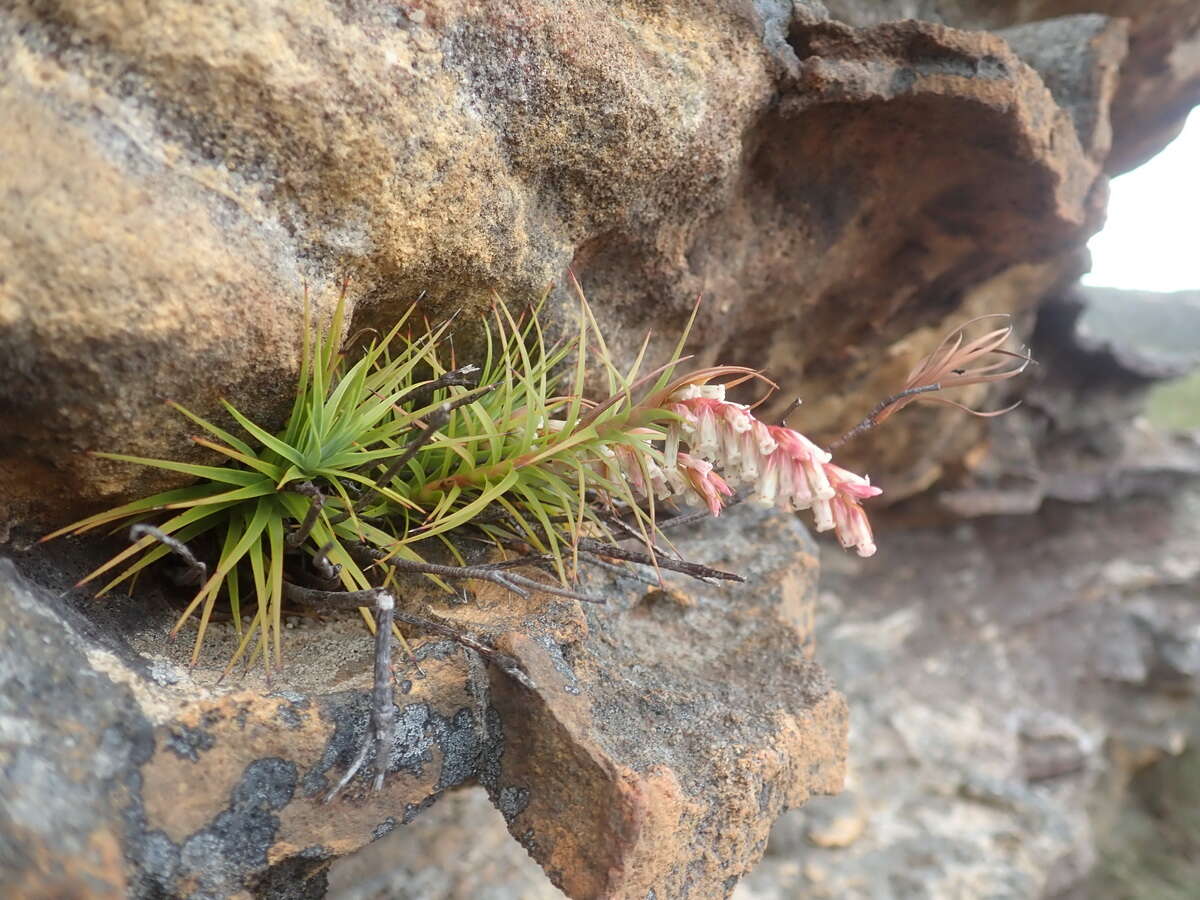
785,468
684,472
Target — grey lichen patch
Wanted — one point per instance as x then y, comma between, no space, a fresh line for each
465,753
235,844
221,858
461,749
301,877
348,711
512,802
412,810
431,650
153,857
290,714
187,742
387,826
571,683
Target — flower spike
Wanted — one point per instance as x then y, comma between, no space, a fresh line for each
950,366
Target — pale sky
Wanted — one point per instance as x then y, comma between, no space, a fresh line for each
1152,238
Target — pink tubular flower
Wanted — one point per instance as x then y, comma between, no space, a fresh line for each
704,481
849,519
620,462
786,469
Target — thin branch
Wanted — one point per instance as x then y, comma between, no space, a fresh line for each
327,570
433,423
310,490
197,571
383,713
697,516
518,584
306,596
631,532
546,562
872,418
423,393
620,571
594,549
502,660
792,407
590,545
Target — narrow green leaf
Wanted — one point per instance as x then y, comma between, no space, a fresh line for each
208,426
214,473
267,440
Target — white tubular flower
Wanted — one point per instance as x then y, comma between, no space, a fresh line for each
706,482
784,468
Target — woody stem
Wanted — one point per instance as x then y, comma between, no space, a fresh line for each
873,418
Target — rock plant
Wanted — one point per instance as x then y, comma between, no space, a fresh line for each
396,455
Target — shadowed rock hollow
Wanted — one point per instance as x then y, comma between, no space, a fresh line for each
842,182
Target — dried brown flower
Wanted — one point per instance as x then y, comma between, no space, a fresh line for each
953,364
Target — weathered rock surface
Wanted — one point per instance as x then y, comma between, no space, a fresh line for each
1159,79
668,731
1009,675
458,848
843,188
169,180
1006,677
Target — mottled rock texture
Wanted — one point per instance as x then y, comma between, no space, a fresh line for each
835,191
667,733
1001,701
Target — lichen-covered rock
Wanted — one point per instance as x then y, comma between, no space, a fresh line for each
171,178
668,730
841,187
610,785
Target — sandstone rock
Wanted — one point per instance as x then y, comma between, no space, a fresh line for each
1078,59
934,207
662,741
170,179
1159,81
842,188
